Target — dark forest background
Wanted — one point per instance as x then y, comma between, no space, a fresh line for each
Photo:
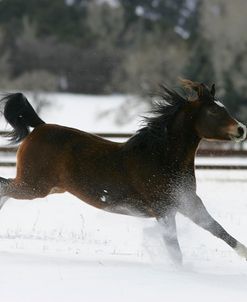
124,46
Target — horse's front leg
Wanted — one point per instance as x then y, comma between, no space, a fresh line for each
169,233
194,209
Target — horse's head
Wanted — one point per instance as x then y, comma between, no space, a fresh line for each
212,119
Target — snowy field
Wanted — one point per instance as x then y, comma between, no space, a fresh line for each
60,249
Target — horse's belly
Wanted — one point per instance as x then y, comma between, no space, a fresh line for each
120,202
130,211
131,206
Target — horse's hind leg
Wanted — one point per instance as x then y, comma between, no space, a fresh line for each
3,185
12,188
169,233
22,190
196,211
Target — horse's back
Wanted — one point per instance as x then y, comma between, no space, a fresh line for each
57,135
58,145
76,161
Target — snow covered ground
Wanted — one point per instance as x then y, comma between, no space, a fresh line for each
60,249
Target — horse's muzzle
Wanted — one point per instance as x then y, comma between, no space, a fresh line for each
238,132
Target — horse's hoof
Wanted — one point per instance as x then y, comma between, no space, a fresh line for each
241,250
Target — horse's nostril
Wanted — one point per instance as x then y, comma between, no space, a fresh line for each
240,131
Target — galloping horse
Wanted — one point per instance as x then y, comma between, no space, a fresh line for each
152,174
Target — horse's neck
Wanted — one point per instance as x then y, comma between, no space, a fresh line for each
183,140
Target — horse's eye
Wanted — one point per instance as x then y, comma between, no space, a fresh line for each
213,110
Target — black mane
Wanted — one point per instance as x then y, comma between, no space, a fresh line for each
164,109
162,115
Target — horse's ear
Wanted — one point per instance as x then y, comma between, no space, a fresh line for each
200,88
212,91
188,84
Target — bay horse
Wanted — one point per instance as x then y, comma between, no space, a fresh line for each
151,175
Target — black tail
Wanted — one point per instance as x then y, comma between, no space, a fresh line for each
20,115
